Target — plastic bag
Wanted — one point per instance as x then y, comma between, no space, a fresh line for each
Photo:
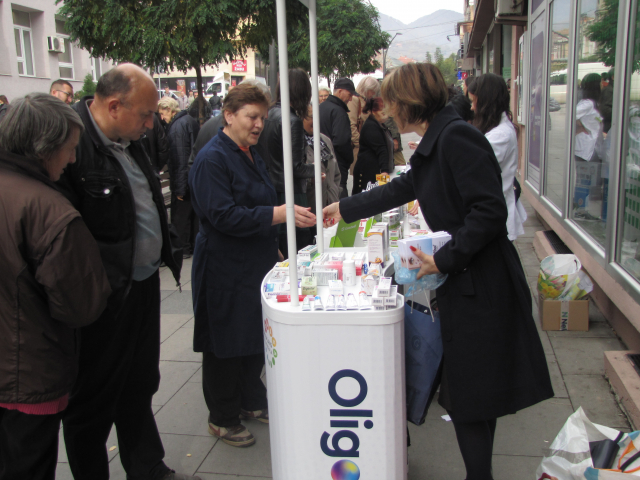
569,456
404,276
558,275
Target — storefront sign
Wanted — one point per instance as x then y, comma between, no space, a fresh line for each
239,66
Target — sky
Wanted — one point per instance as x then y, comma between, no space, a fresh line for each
409,10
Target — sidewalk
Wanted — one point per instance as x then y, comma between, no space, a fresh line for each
575,360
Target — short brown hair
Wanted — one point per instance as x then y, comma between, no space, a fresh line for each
243,94
416,92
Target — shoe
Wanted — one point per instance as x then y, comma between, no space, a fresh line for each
179,476
260,415
236,436
186,255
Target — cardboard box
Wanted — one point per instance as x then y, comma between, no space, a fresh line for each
572,315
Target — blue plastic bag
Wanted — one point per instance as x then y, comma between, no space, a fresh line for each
404,276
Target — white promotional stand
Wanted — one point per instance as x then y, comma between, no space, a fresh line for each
335,379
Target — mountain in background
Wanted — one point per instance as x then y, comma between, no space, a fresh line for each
423,35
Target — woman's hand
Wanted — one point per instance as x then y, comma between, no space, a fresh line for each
413,145
304,217
331,214
428,264
280,256
416,208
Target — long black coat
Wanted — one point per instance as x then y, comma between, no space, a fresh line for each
235,248
494,360
182,133
375,154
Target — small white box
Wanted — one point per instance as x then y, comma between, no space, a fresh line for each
335,287
384,287
378,308
307,253
391,299
376,298
368,283
338,256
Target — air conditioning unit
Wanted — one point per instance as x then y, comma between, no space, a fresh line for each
55,44
510,12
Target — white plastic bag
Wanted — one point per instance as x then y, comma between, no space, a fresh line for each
569,456
557,274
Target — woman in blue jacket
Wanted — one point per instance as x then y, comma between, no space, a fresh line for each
237,245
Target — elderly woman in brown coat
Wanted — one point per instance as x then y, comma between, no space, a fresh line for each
52,282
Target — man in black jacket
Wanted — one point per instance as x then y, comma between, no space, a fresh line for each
115,188
335,124
157,144
216,104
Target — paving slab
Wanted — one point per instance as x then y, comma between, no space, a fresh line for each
582,356
173,375
165,293
177,303
596,330
167,282
170,322
63,472
184,454
524,433
196,377
515,467
253,461
557,381
179,347
186,413
529,258
592,393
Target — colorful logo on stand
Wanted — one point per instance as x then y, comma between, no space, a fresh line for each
269,344
345,470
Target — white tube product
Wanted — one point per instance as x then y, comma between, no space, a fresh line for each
349,272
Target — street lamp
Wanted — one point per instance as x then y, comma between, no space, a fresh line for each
384,56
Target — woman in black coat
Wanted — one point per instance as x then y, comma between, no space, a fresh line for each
300,96
182,131
236,247
376,147
493,363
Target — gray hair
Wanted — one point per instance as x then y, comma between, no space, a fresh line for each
37,125
168,103
368,84
256,83
324,89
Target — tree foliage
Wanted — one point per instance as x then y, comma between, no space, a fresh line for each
447,66
604,31
349,38
428,58
439,57
88,87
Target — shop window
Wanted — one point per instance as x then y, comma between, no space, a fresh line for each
536,106
556,159
65,60
596,45
24,48
629,240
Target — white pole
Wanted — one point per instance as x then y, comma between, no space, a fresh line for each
281,14
315,102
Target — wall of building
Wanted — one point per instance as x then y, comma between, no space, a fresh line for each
46,64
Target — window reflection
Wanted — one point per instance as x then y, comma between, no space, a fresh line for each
557,108
597,32
629,249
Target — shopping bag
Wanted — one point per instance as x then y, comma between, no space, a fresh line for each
561,278
423,354
581,444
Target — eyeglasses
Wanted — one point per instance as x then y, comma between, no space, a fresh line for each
69,95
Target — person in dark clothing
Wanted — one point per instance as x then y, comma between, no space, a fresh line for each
157,144
335,124
238,211
398,157
52,283
182,131
493,362
216,104
606,103
376,147
300,96
462,106
115,188
194,109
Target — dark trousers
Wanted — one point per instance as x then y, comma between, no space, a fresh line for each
475,440
185,222
230,384
28,445
119,373
344,176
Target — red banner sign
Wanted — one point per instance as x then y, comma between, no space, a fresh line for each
239,66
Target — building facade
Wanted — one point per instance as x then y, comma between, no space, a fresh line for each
574,67
35,50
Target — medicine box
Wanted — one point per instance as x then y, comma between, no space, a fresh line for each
407,258
376,245
376,298
390,301
379,308
384,287
309,286
335,287
307,253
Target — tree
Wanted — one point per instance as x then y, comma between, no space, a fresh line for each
349,38
174,34
448,67
439,57
428,58
88,87
604,32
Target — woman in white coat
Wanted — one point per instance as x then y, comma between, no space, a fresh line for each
490,101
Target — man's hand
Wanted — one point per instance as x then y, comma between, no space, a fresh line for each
331,214
280,256
413,145
304,217
180,198
428,264
415,209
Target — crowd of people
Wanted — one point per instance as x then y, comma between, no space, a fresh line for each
88,231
